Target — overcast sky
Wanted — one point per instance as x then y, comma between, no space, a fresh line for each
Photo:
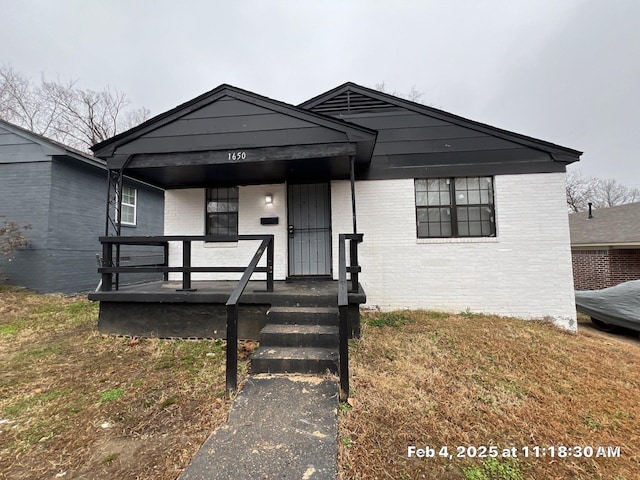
563,71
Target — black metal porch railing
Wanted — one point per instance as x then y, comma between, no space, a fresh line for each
110,268
344,288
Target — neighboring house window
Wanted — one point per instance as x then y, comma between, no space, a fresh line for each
455,207
222,211
129,203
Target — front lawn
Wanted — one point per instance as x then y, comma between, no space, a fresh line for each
489,385
78,404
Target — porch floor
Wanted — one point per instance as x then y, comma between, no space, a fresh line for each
303,292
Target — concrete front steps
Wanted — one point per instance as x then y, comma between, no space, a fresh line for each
299,339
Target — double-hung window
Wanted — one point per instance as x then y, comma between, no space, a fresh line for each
222,211
129,202
455,207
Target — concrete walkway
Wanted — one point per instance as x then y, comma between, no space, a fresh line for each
280,427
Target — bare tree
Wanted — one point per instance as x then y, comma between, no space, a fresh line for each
609,193
580,190
602,193
63,112
414,95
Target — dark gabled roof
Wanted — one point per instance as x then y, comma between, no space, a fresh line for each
613,226
108,147
52,147
338,100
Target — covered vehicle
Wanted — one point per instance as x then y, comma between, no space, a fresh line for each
612,307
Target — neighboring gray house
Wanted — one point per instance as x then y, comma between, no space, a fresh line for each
605,246
61,192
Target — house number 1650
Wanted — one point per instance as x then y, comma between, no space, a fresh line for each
237,155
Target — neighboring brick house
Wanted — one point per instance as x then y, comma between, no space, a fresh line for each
61,193
456,215
605,246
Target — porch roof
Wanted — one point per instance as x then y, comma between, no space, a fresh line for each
232,136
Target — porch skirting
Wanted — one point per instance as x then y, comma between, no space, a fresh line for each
161,310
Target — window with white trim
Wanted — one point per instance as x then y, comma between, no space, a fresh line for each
455,207
222,211
129,205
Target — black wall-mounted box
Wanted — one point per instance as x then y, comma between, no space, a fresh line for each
269,221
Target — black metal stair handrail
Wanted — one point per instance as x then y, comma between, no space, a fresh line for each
343,301
232,312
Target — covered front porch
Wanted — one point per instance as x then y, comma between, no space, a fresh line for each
240,171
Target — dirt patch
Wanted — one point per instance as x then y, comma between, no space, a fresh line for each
587,328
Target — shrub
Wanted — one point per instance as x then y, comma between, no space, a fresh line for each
12,237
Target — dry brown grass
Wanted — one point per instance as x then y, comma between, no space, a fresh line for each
77,404
472,380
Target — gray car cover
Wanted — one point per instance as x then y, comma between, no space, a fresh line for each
619,305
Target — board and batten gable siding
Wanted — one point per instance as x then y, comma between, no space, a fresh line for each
230,123
410,143
25,189
525,271
185,215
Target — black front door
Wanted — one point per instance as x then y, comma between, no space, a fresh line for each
309,225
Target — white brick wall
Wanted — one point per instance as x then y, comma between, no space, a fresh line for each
524,272
184,215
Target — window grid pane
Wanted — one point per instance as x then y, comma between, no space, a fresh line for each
471,211
475,218
128,196
222,211
128,214
128,206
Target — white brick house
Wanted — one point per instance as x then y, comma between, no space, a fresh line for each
456,215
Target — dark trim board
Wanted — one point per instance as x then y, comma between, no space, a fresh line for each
296,152
461,170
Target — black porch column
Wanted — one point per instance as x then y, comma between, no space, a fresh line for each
352,160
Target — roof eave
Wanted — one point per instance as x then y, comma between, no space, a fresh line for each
601,245
52,147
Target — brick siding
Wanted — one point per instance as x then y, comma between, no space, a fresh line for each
601,268
525,271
